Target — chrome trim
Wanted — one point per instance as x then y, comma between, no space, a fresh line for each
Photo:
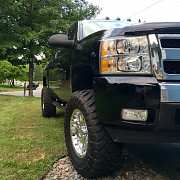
156,56
169,54
170,91
170,36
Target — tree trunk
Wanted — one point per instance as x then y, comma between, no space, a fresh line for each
68,74
31,67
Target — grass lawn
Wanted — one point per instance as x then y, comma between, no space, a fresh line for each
29,143
4,87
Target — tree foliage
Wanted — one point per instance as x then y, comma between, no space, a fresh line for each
26,25
38,73
8,71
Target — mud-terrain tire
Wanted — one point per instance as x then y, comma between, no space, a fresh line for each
100,155
48,109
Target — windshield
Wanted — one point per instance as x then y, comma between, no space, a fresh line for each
89,27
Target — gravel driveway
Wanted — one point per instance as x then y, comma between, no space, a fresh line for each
132,168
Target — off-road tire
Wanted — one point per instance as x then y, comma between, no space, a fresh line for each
103,156
48,109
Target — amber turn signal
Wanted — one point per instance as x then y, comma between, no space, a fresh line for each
104,65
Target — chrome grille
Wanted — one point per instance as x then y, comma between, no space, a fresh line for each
170,43
172,67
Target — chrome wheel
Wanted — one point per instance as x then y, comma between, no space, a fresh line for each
79,133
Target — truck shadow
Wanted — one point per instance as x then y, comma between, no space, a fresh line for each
162,158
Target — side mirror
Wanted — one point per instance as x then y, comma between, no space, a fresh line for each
61,40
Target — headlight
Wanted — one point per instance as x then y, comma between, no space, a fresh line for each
126,54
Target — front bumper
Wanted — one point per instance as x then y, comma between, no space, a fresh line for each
114,93
167,129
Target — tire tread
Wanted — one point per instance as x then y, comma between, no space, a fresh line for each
49,109
103,156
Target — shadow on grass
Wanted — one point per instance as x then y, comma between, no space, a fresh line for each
60,114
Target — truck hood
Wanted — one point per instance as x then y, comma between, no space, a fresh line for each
145,28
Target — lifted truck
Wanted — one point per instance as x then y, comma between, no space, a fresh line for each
125,84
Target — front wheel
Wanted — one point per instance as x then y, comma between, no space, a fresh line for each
90,148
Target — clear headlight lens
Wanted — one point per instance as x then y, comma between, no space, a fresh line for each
125,55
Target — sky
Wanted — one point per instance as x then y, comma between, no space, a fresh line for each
158,11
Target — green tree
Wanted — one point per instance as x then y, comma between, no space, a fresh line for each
10,72
26,26
38,73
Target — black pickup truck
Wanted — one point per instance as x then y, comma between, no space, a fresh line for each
125,85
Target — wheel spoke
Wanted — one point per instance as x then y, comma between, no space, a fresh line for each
79,133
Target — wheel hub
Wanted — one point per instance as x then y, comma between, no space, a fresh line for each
79,133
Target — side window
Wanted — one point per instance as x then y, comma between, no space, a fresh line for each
72,33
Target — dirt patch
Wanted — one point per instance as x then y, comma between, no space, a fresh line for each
41,156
